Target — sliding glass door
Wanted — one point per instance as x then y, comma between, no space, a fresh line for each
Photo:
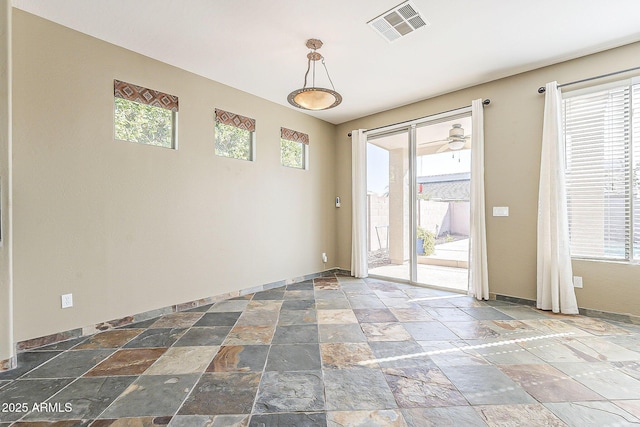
443,214
388,200
418,216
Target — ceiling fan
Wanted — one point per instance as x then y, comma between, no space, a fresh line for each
457,140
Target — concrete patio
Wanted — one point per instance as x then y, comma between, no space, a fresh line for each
446,268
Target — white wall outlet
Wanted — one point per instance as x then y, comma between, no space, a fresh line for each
67,300
577,281
324,257
501,211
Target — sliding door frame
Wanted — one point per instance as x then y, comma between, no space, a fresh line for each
413,193
411,127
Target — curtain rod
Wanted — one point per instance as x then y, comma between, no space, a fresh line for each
484,103
542,89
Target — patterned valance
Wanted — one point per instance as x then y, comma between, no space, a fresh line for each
235,120
145,96
292,135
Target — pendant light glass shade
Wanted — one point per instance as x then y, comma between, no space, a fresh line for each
314,98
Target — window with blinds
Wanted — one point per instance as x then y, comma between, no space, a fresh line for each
145,116
234,135
293,148
602,142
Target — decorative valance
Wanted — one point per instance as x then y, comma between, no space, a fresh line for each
145,96
235,120
292,135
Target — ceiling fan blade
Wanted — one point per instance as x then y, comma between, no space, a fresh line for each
467,144
432,142
442,149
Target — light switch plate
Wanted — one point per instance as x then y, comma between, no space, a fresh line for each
577,281
67,300
501,211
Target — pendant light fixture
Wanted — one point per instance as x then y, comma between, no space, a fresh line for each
314,98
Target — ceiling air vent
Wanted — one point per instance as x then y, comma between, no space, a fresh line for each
398,22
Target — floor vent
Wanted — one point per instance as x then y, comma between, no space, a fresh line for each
398,22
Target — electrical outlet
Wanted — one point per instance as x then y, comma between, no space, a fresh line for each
324,257
67,300
577,281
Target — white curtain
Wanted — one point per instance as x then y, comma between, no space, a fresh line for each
555,285
359,265
478,244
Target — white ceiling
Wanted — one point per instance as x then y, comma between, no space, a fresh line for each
259,46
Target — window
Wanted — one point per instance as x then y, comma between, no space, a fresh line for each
144,116
234,135
293,148
602,137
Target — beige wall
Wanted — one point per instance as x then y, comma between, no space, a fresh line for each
6,303
513,129
127,227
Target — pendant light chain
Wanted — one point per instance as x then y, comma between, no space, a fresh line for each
314,69
327,71
307,73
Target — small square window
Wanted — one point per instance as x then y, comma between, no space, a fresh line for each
292,154
144,116
293,148
234,136
233,142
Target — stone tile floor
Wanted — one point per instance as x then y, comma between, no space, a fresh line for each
337,351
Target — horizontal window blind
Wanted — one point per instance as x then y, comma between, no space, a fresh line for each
235,120
145,96
598,138
635,169
293,135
